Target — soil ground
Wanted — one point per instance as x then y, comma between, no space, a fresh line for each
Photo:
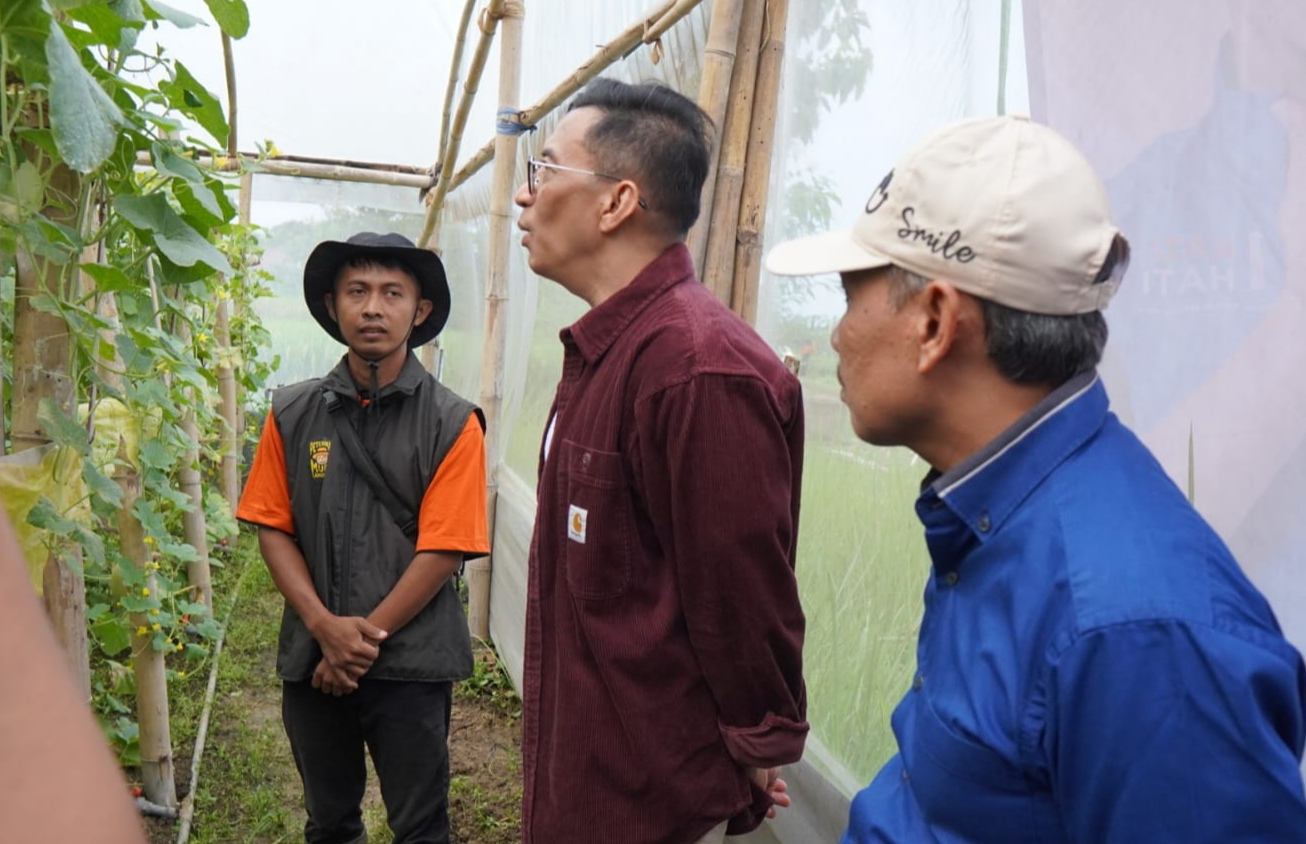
248,788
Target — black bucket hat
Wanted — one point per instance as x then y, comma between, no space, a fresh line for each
328,257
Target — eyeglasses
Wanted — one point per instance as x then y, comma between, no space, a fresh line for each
534,165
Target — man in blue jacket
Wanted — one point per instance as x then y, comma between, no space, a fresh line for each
1092,665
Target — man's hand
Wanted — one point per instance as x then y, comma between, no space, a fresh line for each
349,643
333,681
768,779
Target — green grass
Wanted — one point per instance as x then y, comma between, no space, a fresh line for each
862,565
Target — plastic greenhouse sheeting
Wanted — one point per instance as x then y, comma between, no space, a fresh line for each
1193,110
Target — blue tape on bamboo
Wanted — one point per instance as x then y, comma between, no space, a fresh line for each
510,122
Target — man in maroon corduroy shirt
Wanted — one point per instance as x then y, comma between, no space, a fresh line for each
663,675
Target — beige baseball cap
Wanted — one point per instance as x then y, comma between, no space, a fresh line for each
1004,208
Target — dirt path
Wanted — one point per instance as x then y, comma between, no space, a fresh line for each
249,790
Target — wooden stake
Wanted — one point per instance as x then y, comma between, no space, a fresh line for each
229,68
147,663
496,297
229,472
719,259
757,173
713,96
435,202
42,357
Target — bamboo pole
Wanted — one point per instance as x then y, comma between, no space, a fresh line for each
713,97
435,201
229,472
719,258
606,56
757,171
42,357
229,67
147,663
451,89
496,299
659,24
398,175
194,524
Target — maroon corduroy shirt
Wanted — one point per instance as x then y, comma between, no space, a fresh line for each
664,633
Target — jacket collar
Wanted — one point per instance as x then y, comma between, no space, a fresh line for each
341,382
595,332
972,501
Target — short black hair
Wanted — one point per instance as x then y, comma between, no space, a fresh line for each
654,136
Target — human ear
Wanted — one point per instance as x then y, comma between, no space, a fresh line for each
940,306
424,308
621,204
330,300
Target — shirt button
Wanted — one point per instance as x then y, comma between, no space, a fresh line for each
983,522
952,578
585,459
905,775
917,683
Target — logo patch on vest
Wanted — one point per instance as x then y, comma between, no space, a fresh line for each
318,452
576,519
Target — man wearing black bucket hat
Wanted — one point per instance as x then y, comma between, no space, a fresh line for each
368,489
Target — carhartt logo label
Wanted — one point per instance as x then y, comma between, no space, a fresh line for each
576,519
318,452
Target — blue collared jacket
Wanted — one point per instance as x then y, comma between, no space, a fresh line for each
1093,666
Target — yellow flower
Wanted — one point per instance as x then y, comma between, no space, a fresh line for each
179,646
154,612
149,540
219,161
155,628
202,337
141,631
145,591
181,674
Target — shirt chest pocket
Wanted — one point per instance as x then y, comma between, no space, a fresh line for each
599,530
962,784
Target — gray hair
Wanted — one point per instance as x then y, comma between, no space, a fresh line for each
1027,348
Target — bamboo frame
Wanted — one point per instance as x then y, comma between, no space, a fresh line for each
757,170
719,259
229,472
496,297
435,201
713,97
606,56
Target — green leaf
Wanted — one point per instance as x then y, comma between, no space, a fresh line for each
199,201
169,163
182,20
92,543
113,636
109,279
114,24
155,455
29,189
187,95
179,551
100,485
45,516
180,243
231,15
84,120
61,427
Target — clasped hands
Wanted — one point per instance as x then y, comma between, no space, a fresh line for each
350,644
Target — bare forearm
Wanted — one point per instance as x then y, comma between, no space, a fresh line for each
290,574
429,571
